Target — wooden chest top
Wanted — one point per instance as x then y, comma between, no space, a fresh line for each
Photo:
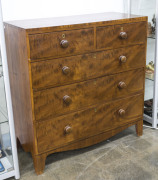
75,22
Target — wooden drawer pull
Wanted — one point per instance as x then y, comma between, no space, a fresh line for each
123,59
121,112
67,99
66,70
121,85
64,43
67,129
123,35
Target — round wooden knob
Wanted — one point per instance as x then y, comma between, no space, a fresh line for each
66,70
67,100
123,59
123,35
67,129
121,112
122,85
64,43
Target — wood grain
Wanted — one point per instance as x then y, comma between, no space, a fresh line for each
20,87
81,144
49,44
49,102
69,86
109,36
39,163
139,128
93,139
89,122
82,67
43,25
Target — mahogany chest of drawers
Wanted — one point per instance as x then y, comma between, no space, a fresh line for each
75,81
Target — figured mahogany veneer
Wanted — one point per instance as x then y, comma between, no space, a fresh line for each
52,102
56,72
61,43
120,35
86,122
75,81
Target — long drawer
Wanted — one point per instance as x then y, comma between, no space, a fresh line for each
83,67
121,35
61,43
64,99
72,127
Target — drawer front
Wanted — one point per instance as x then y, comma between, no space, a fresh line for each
61,43
121,35
64,99
83,67
68,128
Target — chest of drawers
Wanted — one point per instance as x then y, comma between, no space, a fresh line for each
75,81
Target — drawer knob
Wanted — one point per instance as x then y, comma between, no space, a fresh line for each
123,35
66,70
67,129
121,85
67,100
64,43
123,59
121,112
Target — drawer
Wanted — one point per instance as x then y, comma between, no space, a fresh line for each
64,99
121,35
72,127
83,67
61,43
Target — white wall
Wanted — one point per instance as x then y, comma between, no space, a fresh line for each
144,7
30,9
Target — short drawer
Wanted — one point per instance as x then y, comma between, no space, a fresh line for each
64,99
65,129
121,35
83,67
57,44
